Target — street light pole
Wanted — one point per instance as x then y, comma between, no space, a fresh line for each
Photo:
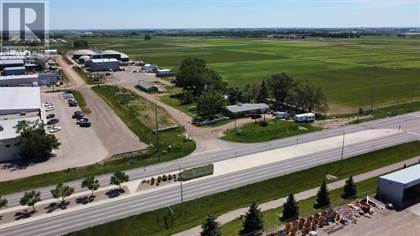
181,188
342,150
157,129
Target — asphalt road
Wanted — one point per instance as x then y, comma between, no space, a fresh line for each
75,220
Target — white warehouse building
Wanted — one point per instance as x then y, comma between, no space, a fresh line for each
17,104
104,64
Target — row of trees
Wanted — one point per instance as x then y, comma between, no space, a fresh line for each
206,87
62,191
254,222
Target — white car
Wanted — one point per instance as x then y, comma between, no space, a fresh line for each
55,129
47,104
50,109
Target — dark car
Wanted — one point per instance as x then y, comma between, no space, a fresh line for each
82,120
50,116
72,103
78,115
256,116
85,124
52,122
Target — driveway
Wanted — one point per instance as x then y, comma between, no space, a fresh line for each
111,130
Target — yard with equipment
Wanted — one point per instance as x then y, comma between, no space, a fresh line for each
352,72
154,223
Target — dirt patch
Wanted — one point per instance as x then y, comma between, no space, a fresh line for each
338,122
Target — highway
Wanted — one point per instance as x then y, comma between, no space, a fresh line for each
73,220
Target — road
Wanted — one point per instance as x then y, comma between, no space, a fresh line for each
78,219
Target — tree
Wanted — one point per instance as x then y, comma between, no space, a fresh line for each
209,104
30,199
253,223
62,191
280,86
349,190
194,75
262,94
290,209
90,183
322,198
147,37
80,44
118,178
307,97
210,227
3,202
35,143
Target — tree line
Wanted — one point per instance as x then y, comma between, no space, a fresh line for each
206,87
253,223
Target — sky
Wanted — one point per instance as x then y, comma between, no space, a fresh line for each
152,14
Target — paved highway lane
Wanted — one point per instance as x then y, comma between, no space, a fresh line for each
74,219
408,122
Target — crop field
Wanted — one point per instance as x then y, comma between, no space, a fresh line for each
351,71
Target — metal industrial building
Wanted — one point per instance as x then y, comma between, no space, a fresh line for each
11,63
33,80
16,105
246,109
21,70
401,188
104,64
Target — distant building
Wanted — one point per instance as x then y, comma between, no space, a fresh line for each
246,109
17,105
21,70
164,73
401,188
112,54
30,80
147,87
11,63
105,64
83,52
150,68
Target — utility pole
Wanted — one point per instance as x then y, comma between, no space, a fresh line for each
157,129
342,150
181,188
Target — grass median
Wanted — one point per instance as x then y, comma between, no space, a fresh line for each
81,101
119,102
275,129
153,223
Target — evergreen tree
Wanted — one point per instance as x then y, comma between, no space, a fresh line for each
253,223
322,198
262,94
290,209
350,190
210,227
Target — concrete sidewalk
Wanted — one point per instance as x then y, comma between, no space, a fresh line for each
232,215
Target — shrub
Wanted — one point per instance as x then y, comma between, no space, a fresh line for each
152,181
263,123
164,178
159,179
169,177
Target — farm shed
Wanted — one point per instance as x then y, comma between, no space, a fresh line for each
246,109
401,188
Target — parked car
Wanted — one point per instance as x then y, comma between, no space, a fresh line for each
78,115
55,129
85,124
281,115
50,109
53,121
82,120
49,103
256,116
72,103
50,116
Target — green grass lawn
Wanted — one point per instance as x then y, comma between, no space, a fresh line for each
152,223
81,101
126,106
276,129
347,69
271,217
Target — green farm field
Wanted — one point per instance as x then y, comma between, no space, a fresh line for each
349,70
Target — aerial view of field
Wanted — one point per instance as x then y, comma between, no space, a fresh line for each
351,71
